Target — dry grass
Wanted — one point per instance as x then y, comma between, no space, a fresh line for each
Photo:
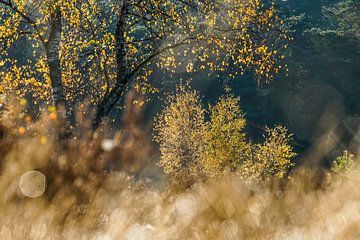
84,199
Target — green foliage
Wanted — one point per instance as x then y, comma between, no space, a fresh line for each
343,163
346,15
191,146
337,37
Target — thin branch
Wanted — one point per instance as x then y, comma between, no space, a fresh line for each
26,18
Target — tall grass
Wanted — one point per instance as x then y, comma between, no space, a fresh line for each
101,189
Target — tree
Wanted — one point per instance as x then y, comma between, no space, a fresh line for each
72,50
16,22
323,68
194,148
197,35
345,16
179,130
334,51
342,22
273,156
100,57
225,144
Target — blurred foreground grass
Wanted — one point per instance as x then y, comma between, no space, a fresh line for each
94,188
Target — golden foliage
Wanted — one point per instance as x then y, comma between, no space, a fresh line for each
189,145
86,48
179,130
273,156
225,144
202,36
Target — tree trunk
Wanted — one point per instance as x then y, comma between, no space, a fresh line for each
52,53
106,105
53,58
122,78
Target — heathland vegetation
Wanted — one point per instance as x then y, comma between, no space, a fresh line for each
179,119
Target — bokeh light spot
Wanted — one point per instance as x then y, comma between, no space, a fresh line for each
32,184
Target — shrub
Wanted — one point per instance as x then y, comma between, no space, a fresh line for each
192,147
273,156
224,146
343,163
179,129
